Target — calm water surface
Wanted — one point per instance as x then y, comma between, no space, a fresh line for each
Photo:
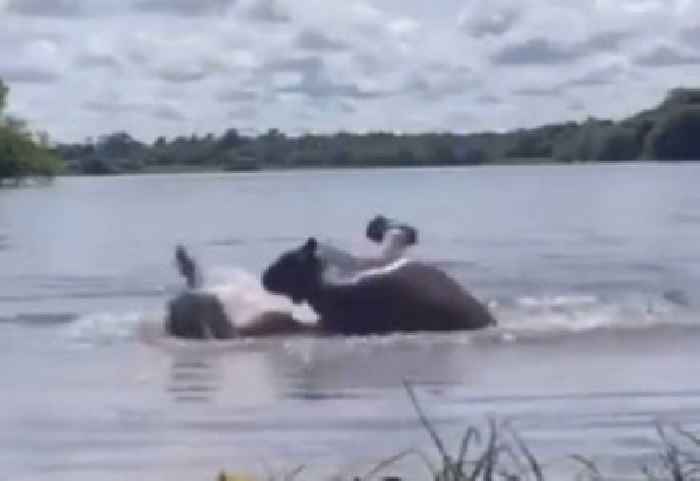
593,271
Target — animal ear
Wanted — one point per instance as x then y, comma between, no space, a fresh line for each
310,246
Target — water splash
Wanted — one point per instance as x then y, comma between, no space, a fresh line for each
244,298
520,316
105,328
240,293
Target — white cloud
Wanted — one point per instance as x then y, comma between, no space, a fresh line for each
271,11
168,113
312,39
667,56
186,66
184,7
46,8
404,26
495,17
36,61
96,60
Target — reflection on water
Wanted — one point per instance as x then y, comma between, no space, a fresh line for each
193,379
187,409
340,402
220,378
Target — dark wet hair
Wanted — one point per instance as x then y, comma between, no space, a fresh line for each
295,273
376,228
379,225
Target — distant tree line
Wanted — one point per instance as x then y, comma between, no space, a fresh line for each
22,153
670,131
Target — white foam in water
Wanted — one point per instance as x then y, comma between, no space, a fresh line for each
105,328
558,301
240,292
244,298
575,313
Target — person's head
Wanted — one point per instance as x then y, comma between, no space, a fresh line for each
380,225
376,228
295,273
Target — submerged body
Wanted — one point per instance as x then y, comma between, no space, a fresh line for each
393,237
406,296
199,314
196,314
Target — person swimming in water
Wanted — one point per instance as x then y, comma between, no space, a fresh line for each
200,313
394,238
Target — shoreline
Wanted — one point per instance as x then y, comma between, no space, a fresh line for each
333,168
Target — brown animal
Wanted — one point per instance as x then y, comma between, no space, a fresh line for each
407,296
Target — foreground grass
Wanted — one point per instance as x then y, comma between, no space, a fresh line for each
501,454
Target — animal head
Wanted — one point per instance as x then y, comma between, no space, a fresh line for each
295,273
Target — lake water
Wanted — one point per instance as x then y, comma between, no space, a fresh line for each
592,271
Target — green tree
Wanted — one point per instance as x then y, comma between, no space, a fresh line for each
230,139
20,155
474,156
443,152
3,95
617,144
530,144
273,147
233,161
666,131
676,136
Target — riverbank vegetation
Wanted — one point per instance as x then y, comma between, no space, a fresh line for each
667,132
22,153
502,455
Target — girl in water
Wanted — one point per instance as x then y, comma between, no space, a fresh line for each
244,308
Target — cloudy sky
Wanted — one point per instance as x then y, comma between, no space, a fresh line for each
80,68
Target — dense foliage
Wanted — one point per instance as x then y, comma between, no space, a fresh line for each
668,132
677,136
21,155
3,95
